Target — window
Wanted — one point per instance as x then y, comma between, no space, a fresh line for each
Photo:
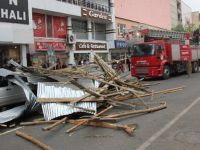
121,29
98,31
49,26
79,28
143,50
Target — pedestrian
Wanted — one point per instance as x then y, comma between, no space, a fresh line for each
189,67
129,64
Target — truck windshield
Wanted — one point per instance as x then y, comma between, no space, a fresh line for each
143,50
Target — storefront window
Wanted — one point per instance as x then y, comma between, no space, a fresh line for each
79,28
9,52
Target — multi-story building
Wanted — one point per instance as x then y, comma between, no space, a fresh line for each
134,15
186,14
72,28
196,19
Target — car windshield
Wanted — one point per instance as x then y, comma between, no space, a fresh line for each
143,50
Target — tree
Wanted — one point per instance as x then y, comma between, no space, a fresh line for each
179,28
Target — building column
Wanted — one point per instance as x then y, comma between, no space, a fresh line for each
23,51
89,29
71,60
111,29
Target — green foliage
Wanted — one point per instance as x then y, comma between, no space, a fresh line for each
187,28
179,28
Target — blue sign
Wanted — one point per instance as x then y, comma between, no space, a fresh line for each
120,44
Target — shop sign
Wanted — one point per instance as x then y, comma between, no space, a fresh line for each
90,46
95,14
120,44
14,11
43,46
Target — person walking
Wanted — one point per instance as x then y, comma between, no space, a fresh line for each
129,64
189,68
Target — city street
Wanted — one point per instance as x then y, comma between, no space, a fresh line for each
174,128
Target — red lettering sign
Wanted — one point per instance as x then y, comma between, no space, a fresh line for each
39,25
59,25
43,46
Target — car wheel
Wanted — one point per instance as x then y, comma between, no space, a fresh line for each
195,67
166,72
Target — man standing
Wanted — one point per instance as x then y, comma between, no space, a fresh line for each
189,67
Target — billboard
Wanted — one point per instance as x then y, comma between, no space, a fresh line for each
14,11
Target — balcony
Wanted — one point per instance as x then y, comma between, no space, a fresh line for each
88,4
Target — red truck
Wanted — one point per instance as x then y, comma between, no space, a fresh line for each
163,53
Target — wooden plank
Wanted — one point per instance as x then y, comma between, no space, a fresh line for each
33,140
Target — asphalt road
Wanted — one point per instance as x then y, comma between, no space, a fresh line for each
174,128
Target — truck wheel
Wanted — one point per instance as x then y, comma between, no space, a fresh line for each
195,67
166,72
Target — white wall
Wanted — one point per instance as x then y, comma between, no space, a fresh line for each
57,6
186,13
17,33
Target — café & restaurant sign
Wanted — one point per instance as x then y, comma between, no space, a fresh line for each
90,46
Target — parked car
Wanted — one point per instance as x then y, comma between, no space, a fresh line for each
10,93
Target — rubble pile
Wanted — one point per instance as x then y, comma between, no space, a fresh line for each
92,95
112,92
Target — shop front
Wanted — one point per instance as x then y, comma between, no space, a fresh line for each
49,35
120,51
15,31
40,55
8,52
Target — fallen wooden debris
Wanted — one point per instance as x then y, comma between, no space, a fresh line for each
84,121
113,91
127,128
33,140
133,112
37,123
55,124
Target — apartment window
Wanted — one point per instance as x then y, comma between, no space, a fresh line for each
121,29
98,31
49,26
79,28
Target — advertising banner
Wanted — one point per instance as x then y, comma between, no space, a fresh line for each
39,25
14,11
59,26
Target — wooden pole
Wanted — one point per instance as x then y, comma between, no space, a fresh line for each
55,124
133,112
33,140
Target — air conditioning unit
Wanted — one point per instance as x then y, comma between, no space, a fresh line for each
71,38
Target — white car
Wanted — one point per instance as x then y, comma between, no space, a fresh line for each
10,93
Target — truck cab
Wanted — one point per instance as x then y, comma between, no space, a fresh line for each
148,60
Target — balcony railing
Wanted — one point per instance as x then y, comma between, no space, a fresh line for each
88,4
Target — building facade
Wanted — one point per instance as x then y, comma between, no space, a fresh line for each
186,14
164,14
196,19
122,26
16,31
72,28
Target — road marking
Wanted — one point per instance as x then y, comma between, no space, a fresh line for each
10,131
167,126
